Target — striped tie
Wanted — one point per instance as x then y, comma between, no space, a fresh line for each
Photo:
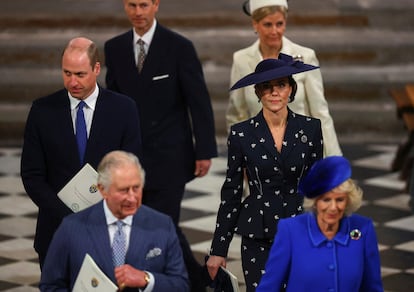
141,55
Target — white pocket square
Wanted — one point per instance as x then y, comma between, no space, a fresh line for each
160,77
156,251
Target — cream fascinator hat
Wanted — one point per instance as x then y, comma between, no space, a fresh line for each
251,5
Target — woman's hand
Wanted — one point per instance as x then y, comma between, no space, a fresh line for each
213,264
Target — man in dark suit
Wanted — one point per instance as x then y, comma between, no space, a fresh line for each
176,115
152,259
50,156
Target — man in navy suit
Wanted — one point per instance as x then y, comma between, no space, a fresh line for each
153,259
50,156
176,115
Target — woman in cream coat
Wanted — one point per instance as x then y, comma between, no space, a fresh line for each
269,21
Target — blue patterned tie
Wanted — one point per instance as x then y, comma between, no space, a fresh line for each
119,245
81,133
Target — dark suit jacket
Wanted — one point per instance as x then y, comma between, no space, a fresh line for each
272,177
50,155
87,232
169,90
306,260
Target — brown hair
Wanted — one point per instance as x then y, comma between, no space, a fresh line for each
84,44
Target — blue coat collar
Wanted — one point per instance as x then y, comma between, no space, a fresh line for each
316,236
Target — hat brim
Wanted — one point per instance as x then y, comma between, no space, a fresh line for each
275,73
246,8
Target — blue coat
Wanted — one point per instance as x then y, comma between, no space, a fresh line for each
169,90
306,260
87,232
50,155
272,176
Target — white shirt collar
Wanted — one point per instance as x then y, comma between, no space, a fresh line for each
90,100
111,219
147,37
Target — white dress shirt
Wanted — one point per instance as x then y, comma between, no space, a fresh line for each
87,110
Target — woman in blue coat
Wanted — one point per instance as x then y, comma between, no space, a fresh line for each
327,249
273,150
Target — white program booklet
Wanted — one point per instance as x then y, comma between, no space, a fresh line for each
82,190
91,278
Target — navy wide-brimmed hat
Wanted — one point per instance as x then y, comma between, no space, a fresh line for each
325,175
270,69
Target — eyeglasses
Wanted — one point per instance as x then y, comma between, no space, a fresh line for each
270,86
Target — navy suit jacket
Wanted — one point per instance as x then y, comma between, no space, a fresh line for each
306,260
50,155
169,90
272,177
87,232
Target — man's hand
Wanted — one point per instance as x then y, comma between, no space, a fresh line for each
202,167
127,276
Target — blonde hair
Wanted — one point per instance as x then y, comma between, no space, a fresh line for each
262,12
348,187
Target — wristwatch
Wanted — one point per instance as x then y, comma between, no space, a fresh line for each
147,279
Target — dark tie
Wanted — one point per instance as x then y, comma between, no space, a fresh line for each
81,133
119,245
141,55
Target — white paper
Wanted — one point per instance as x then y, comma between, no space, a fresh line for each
82,190
91,278
233,278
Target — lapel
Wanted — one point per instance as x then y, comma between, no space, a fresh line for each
289,48
286,46
136,250
157,54
66,129
293,135
125,59
98,231
262,134
97,125
127,51
253,56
